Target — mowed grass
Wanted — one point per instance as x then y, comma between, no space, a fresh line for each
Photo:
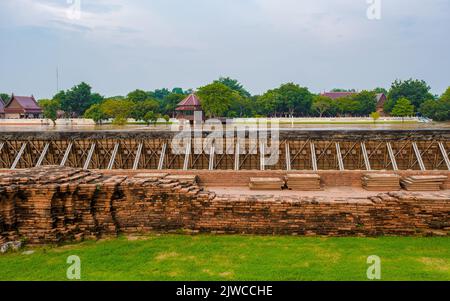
209,257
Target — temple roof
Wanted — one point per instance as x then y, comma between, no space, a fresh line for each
189,103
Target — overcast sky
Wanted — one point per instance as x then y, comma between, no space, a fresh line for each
119,45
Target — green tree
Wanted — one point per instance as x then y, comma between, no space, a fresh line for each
295,99
446,95
96,113
166,118
76,101
366,102
322,104
375,116
403,108
170,102
5,97
234,85
288,98
140,108
160,93
50,109
138,96
149,117
216,99
380,90
119,109
267,104
416,91
347,106
438,110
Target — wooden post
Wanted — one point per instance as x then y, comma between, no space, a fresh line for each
16,161
366,156
89,156
66,154
313,156
418,156
113,156
42,156
339,157
392,156
138,156
161,157
443,151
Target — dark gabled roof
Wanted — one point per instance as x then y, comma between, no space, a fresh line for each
28,104
379,96
2,106
189,103
336,95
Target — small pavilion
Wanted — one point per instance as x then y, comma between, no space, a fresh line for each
188,106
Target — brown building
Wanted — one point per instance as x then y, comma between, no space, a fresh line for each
186,108
22,107
380,98
2,108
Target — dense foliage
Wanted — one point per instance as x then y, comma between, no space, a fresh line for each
227,97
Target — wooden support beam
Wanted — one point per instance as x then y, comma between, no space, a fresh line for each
43,154
211,157
113,156
1,146
262,165
339,157
236,156
392,156
418,156
66,154
138,156
187,154
365,156
313,156
288,156
443,152
19,155
161,157
89,156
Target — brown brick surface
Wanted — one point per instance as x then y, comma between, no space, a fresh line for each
52,204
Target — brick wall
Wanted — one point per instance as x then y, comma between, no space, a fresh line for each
50,207
241,178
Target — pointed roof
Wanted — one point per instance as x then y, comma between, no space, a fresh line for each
189,103
2,106
336,95
28,104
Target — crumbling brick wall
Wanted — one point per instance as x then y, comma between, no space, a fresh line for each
51,205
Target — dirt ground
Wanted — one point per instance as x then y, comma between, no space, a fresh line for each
327,192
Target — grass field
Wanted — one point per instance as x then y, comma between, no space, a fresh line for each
207,257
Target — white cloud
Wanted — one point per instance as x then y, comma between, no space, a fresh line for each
116,21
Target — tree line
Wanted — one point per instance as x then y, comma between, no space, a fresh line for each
227,97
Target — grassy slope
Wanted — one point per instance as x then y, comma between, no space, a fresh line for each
205,257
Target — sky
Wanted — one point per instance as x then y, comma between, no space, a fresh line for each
118,46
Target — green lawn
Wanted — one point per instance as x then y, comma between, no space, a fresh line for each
208,257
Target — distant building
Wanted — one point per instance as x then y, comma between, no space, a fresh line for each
186,108
380,98
22,107
337,95
2,109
